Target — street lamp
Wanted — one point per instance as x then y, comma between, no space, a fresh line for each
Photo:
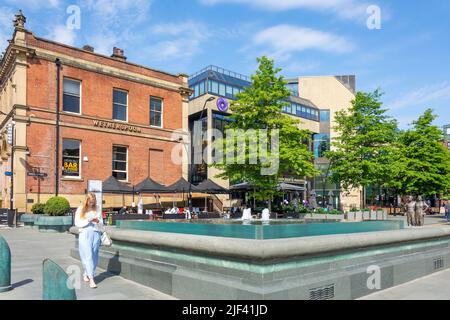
191,166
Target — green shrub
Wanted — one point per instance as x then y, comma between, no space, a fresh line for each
336,212
57,206
303,210
38,208
354,210
321,211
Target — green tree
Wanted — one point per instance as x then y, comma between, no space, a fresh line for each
259,108
426,169
364,150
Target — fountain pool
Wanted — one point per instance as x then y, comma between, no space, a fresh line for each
257,230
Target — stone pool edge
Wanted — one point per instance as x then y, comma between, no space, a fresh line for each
261,250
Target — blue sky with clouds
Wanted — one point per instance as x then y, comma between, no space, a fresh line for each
408,58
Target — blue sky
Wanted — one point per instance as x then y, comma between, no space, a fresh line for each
408,58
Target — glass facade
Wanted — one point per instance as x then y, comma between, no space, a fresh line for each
324,115
227,84
322,143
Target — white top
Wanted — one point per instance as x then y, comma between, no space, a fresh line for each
82,223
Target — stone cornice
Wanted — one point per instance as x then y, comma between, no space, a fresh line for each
9,60
109,71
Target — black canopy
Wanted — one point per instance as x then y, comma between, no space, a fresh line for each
151,186
182,186
289,187
211,187
112,185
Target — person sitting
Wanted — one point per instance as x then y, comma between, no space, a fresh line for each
187,214
123,210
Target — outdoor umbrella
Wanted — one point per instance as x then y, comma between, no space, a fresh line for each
150,186
112,185
182,186
289,187
210,187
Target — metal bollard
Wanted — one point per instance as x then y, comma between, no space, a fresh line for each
55,283
5,266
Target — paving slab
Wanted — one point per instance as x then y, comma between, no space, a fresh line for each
30,247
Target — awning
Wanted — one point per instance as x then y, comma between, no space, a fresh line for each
151,186
112,185
281,186
210,187
182,186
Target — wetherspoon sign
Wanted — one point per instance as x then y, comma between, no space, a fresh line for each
116,126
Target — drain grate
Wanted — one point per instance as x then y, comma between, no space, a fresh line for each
323,293
439,263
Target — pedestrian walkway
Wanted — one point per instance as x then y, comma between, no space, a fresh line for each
432,287
29,248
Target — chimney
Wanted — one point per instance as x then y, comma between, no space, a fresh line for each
118,54
88,48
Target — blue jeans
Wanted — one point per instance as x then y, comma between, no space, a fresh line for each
89,244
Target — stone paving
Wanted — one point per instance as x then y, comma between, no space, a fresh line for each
29,248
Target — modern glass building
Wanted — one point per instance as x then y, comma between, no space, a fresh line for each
227,84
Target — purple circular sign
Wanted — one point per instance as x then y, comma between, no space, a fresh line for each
222,104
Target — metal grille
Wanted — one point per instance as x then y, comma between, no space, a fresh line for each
323,293
439,263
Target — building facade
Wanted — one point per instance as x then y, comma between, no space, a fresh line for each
115,118
314,102
221,84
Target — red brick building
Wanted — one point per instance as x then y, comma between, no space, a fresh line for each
116,118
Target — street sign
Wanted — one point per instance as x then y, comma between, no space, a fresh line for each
37,174
8,174
10,129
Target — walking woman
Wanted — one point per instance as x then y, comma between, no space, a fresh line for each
90,222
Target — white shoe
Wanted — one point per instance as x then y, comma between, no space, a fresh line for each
92,284
86,278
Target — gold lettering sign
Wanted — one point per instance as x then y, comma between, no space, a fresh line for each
116,126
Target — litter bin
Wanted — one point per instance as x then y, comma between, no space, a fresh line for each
12,218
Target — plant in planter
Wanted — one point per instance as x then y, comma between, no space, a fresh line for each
57,207
55,218
38,208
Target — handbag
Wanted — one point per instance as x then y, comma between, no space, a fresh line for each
106,240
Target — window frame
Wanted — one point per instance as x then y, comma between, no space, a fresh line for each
79,97
113,103
80,172
162,112
126,162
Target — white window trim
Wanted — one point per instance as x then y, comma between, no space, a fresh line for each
117,89
81,96
80,175
162,112
121,146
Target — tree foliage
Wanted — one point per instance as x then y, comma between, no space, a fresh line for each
426,162
259,108
364,151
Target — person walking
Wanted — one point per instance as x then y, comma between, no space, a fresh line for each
447,210
90,222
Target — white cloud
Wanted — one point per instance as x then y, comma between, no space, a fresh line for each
6,27
33,4
62,34
423,96
342,8
178,43
283,40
